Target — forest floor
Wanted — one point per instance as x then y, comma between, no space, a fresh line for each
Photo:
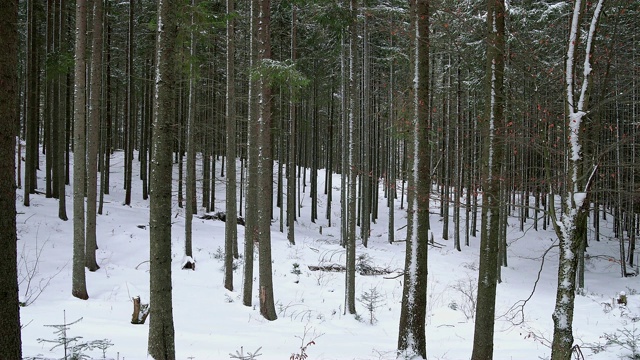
211,322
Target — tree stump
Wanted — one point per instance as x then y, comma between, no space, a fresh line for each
140,311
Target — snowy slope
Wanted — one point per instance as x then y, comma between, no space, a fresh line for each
211,322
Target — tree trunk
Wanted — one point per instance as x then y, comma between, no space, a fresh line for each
350,242
61,120
291,169
571,226
265,169
191,201
31,105
491,179
250,232
412,337
93,137
161,345
231,228
79,286
130,113
10,341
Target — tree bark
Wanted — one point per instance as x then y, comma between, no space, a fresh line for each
291,168
93,137
265,168
31,105
10,339
130,113
230,226
161,344
412,337
571,226
79,285
191,202
61,120
491,179
350,241
250,233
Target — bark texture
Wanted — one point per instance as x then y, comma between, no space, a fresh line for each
79,284
161,345
10,340
265,169
230,226
491,200
412,337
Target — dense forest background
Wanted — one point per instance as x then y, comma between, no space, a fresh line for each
331,86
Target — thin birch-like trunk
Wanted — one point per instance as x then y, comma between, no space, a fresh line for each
571,225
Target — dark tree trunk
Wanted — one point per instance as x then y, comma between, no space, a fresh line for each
231,231
412,336
161,344
265,169
10,341
492,204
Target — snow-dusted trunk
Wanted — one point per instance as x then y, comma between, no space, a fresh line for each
230,226
366,169
93,138
344,130
350,241
130,113
191,201
491,198
412,337
571,225
250,232
265,169
79,286
291,167
161,343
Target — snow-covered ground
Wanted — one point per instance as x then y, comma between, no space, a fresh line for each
211,322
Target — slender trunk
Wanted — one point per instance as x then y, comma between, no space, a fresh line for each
231,228
291,169
571,226
350,242
130,109
79,287
61,121
191,201
93,137
31,105
251,229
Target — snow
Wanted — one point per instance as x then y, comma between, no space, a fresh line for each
211,322
579,199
